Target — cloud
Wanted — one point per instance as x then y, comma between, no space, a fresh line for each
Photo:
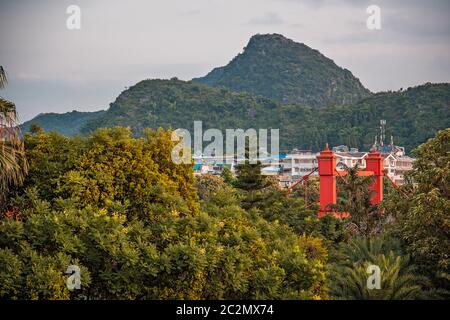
420,24
29,76
269,18
359,3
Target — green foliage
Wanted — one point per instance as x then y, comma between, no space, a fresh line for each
130,219
332,230
261,193
308,190
422,210
50,156
227,175
141,227
68,123
249,177
254,187
413,116
275,67
176,104
110,168
365,219
208,185
398,280
279,206
297,259
13,163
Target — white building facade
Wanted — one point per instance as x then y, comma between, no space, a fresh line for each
301,162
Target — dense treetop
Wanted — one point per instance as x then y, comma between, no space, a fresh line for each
118,208
140,227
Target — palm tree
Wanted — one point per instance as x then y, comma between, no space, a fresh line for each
13,164
398,278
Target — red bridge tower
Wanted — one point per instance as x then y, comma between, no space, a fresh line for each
328,174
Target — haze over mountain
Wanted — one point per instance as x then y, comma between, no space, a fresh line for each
275,67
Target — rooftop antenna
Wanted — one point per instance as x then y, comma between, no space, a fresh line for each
382,131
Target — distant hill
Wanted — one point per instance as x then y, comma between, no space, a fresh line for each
175,103
412,116
275,67
68,123
338,110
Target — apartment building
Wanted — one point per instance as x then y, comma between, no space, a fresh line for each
290,168
299,163
397,166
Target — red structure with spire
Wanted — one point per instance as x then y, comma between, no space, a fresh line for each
375,165
328,174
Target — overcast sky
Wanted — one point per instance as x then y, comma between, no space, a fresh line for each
53,69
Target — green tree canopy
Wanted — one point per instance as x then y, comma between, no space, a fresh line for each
132,221
422,209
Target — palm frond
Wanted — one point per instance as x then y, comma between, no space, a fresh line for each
13,163
3,80
399,280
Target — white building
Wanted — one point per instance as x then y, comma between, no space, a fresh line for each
212,164
397,166
299,163
350,159
215,164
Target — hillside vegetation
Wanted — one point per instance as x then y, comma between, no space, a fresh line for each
412,116
68,123
275,67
